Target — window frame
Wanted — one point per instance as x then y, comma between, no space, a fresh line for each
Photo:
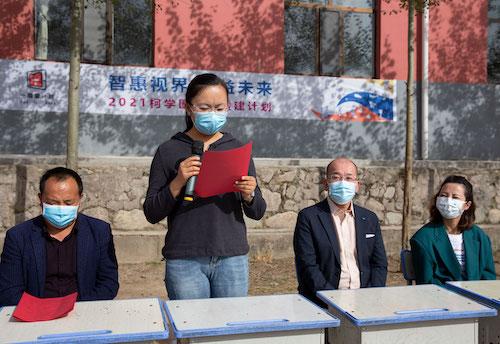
329,6
491,79
109,37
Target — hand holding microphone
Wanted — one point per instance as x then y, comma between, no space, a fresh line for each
197,151
188,170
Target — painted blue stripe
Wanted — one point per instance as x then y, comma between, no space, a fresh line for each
70,335
121,338
256,322
421,311
274,327
163,314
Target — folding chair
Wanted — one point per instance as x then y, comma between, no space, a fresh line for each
407,266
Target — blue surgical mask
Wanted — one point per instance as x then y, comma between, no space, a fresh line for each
450,208
59,216
342,192
209,123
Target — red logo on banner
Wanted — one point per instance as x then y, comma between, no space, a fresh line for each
37,79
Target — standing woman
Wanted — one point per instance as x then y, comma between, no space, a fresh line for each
451,247
206,244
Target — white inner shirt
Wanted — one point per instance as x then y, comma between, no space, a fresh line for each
457,242
346,234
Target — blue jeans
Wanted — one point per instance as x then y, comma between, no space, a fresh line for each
205,277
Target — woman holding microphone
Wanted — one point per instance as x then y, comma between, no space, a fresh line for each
206,244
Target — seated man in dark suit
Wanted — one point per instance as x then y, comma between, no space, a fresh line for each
337,244
61,251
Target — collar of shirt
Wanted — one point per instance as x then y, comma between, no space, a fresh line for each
48,237
335,210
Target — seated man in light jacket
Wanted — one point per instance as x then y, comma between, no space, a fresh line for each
337,244
60,251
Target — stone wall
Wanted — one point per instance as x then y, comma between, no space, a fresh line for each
115,188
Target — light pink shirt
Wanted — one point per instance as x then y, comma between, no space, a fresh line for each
346,234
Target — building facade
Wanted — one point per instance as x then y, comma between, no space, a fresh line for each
330,38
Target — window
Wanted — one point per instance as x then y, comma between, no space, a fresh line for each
114,32
94,31
494,41
330,37
52,29
132,33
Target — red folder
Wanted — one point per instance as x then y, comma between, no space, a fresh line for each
219,170
31,308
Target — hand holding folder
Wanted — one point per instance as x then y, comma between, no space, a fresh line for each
220,170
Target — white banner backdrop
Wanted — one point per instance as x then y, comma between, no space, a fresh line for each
43,87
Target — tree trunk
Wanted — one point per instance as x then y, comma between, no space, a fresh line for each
74,85
409,131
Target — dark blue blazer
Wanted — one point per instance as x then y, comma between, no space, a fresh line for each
317,253
23,261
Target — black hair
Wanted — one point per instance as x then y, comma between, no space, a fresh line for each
196,85
61,173
468,216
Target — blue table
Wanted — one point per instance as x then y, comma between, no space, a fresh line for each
411,314
289,319
92,322
487,293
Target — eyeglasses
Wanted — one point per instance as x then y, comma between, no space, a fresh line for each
337,177
207,108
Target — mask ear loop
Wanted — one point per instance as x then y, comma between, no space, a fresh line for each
466,204
83,198
190,112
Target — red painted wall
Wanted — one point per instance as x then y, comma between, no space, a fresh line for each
392,50
17,39
236,35
231,35
458,42
392,37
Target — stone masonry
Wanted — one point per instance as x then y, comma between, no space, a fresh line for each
115,188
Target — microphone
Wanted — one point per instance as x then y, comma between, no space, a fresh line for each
196,149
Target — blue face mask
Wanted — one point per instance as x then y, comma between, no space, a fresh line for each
59,216
209,123
341,192
450,208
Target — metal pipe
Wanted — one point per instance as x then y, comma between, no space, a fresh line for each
424,133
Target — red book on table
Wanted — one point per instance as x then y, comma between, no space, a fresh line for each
31,308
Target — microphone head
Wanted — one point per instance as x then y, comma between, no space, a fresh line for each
197,148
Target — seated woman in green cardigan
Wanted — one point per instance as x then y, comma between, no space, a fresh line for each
451,247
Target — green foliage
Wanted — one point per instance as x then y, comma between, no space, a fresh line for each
418,5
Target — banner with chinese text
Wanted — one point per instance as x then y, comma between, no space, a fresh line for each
36,86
